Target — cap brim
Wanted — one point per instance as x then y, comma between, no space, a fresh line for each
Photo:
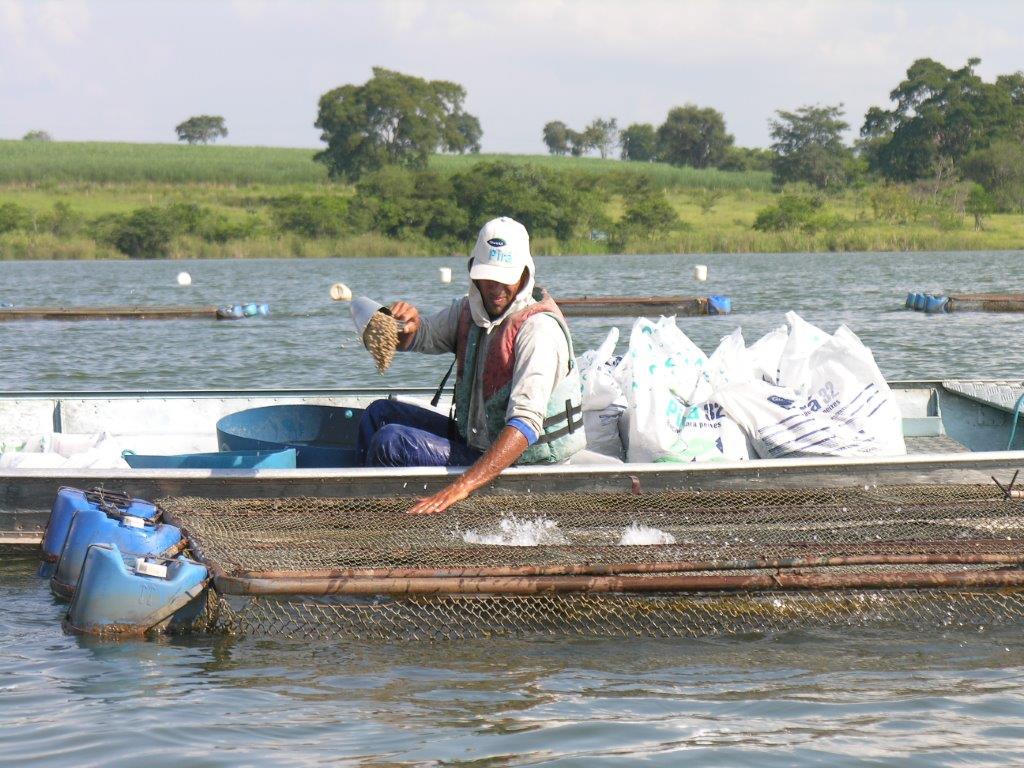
502,275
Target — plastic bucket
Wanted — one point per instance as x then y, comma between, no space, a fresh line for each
322,435
223,460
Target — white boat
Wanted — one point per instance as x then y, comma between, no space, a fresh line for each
956,432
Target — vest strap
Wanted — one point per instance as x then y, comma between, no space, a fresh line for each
440,387
548,437
570,411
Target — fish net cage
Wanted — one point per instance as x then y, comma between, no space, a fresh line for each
667,563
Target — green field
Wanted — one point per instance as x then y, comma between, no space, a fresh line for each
240,183
30,162
35,162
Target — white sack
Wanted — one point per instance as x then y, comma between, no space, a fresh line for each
603,400
765,353
795,360
844,407
596,367
670,415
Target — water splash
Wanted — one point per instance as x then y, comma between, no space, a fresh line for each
513,532
642,535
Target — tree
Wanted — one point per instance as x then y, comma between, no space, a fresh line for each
602,135
808,146
201,129
979,204
392,119
578,141
1000,170
556,137
693,136
37,135
746,159
639,143
941,113
464,134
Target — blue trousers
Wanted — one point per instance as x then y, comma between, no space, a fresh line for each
396,434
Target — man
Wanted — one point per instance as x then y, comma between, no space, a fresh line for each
517,391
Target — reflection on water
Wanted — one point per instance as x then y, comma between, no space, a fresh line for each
798,698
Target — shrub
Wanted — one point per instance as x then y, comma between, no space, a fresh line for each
313,216
407,205
792,211
62,221
547,202
142,234
14,217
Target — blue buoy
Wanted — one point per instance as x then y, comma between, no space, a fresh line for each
91,526
919,302
126,594
264,309
910,300
719,305
230,313
935,303
70,501
251,309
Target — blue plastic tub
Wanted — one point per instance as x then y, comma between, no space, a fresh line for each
284,459
322,435
90,527
920,302
935,303
69,502
118,595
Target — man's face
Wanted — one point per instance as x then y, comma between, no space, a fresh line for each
498,296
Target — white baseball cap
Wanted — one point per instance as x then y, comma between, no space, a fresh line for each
501,252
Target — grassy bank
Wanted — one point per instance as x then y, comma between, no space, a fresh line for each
238,187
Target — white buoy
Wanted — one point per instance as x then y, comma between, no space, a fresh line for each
446,274
184,278
341,292
700,273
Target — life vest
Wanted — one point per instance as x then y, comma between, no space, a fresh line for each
562,434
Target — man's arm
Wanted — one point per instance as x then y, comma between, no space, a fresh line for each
502,454
432,334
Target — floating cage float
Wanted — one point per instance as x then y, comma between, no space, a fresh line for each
70,501
965,302
240,311
91,525
927,302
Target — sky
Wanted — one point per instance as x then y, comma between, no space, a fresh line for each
130,71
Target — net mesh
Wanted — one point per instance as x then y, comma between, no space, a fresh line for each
610,563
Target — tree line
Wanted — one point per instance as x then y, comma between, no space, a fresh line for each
944,123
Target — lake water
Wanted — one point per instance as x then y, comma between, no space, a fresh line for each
862,697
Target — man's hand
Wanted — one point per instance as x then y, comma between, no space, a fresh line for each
408,318
502,454
440,501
